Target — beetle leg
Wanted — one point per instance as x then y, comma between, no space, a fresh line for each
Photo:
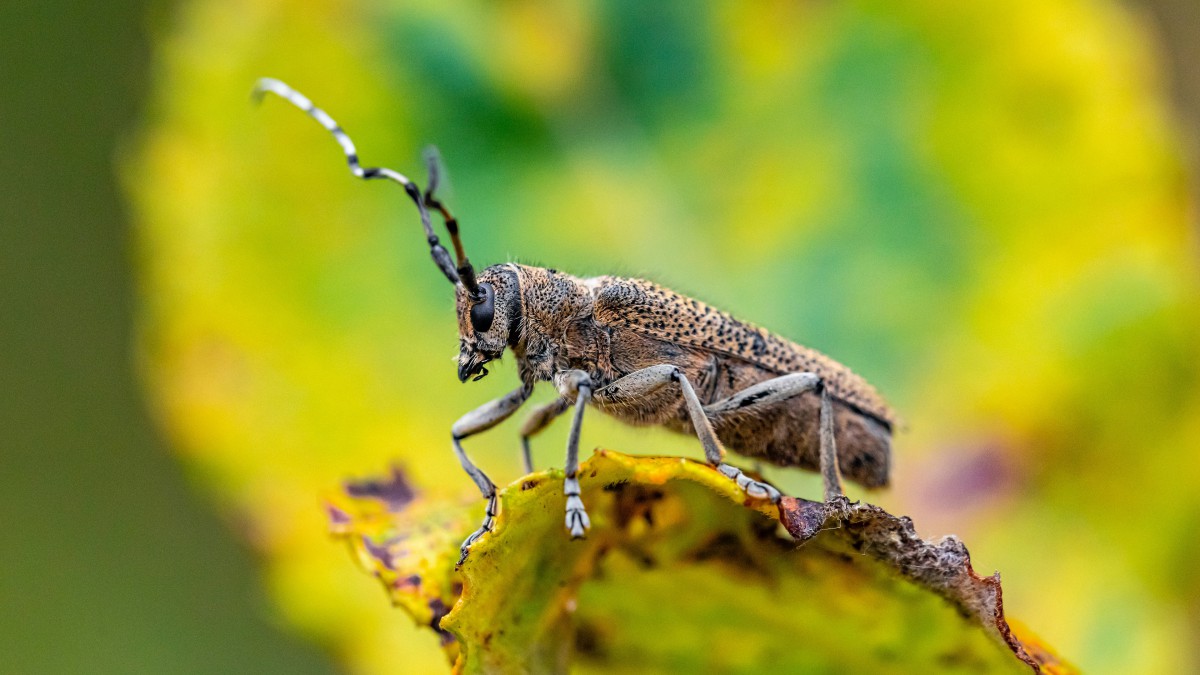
782,388
579,384
651,387
537,421
483,418
713,450
830,473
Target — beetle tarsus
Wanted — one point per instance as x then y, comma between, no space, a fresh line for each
577,517
466,545
754,488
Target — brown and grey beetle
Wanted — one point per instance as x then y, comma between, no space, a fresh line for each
647,356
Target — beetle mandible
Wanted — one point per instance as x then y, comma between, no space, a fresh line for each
644,355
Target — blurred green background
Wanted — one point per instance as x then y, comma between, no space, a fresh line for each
988,210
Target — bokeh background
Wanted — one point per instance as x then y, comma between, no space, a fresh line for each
986,208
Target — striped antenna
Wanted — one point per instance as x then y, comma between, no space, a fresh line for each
440,256
466,272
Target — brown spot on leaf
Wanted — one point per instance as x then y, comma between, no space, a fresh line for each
726,547
339,520
395,491
439,610
635,501
802,518
379,552
589,641
409,582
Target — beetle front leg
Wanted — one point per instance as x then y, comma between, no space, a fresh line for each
483,418
578,384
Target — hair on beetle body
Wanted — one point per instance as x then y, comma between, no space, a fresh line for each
643,354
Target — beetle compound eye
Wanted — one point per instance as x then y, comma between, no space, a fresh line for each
484,311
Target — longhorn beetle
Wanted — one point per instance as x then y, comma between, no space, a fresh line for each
645,355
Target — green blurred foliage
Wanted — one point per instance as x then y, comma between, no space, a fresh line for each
109,562
979,206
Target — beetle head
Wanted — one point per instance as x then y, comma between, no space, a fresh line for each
488,320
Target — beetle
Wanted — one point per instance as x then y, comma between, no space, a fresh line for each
645,355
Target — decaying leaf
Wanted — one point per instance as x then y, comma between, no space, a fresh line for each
681,572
